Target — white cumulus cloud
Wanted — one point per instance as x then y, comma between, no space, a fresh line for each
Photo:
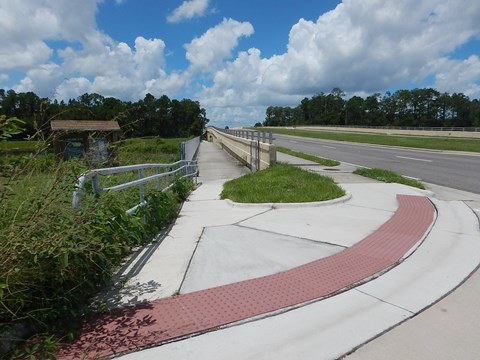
71,88
453,75
207,52
115,68
371,45
25,25
188,10
360,46
42,79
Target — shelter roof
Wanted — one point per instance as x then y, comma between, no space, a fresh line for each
84,125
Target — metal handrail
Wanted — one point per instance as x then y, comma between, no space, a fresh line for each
178,170
262,136
188,149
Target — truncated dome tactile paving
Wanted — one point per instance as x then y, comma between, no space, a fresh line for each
153,323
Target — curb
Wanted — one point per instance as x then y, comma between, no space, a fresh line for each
340,200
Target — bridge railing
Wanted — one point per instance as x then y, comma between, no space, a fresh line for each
188,149
165,177
255,154
262,136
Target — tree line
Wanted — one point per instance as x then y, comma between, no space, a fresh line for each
414,108
149,116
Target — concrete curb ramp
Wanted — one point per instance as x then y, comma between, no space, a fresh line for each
150,324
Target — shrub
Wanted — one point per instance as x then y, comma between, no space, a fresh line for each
182,189
53,259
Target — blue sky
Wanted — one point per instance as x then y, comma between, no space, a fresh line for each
238,57
271,19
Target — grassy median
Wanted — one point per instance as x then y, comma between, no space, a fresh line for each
421,142
315,159
281,183
388,177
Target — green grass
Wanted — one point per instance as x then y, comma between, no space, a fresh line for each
281,183
388,177
421,142
20,146
318,160
156,150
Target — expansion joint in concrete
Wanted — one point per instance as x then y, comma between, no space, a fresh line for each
253,216
385,302
190,260
371,208
291,236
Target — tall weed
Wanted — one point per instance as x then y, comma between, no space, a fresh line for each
54,259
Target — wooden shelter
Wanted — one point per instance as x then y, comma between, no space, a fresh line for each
90,139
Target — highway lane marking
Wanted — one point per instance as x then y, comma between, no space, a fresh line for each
415,159
393,147
329,147
411,177
293,141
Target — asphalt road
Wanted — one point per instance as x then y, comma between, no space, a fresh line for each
453,169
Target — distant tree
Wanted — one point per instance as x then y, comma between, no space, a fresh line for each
417,107
275,116
355,111
460,104
475,112
307,115
148,116
373,114
297,115
389,108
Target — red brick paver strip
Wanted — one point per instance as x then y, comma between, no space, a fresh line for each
149,324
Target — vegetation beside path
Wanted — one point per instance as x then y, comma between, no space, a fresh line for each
315,159
388,177
420,142
281,183
54,259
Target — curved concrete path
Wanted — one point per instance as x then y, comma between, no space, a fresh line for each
177,317
326,329
333,327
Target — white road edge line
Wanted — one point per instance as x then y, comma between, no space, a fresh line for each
415,159
411,177
329,147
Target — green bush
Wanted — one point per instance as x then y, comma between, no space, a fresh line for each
161,209
54,259
182,189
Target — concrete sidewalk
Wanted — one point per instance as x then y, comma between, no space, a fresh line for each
216,242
